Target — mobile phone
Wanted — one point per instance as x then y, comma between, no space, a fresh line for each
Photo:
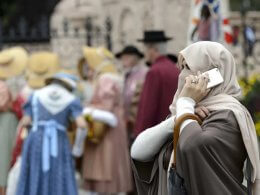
215,78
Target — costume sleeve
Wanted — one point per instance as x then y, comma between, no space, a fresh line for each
76,108
101,115
27,107
148,106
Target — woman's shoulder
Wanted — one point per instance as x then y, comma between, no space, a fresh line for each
225,117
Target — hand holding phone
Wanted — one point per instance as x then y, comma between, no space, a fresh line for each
215,78
197,88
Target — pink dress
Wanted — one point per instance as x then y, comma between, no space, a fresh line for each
106,165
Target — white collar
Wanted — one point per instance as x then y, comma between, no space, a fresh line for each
54,98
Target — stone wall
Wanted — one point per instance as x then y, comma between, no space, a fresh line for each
129,19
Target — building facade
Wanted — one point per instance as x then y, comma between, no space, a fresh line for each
115,23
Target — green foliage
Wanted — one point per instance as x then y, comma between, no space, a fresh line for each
251,97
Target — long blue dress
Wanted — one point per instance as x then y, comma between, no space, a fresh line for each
47,164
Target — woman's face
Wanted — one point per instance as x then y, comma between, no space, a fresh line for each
86,71
90,73
185,72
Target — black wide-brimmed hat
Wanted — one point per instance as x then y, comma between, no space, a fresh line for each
154,37
130,49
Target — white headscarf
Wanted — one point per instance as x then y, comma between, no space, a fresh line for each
203,56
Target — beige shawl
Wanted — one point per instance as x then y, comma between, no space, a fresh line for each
203,56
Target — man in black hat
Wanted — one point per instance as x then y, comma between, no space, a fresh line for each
160,83
134,75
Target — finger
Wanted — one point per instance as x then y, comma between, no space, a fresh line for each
201,83
201,114
188,80
193,79
205,110
205,82
207,91
206,76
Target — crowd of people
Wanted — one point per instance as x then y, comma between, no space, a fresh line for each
91,112
111,119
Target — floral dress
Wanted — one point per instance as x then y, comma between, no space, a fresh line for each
47,164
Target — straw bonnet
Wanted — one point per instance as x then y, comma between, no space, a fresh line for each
12,62
99,59
41,66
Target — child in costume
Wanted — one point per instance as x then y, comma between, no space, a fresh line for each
47,164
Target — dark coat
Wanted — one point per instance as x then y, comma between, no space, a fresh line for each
159,88
210,159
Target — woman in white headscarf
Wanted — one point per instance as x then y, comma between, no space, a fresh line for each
210,157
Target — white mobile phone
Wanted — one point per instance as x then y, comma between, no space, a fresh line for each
215,78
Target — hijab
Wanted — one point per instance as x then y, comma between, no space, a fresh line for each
203,56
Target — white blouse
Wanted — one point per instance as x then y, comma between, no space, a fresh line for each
150,141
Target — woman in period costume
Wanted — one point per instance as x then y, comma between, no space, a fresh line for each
47,164
35,76
41,65
8,125
210,157
106,166
12,64
95,62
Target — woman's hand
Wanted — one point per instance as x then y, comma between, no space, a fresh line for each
81,122
195,87
202,112
25,121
